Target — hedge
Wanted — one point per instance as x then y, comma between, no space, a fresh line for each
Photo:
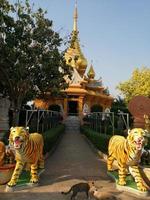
51,136
100,141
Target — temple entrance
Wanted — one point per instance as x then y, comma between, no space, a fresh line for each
72,107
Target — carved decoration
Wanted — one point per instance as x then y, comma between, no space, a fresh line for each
138,107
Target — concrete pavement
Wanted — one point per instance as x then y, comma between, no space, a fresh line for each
72,162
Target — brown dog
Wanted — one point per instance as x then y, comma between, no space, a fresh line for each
103,196
99,195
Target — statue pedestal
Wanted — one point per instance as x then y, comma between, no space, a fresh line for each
130,185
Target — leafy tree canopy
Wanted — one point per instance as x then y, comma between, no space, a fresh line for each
138,84
30,61
119,105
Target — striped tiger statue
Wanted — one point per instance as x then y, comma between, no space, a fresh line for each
127,152
2,153
28,151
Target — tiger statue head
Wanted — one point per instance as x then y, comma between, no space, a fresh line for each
137,138
18,136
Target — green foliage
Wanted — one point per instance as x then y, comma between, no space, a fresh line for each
5,137
54,107
31,63
51,136
138,84
147,147
96,108
119,104
129,179
100,141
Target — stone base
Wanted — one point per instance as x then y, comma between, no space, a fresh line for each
129,187
132,190
20,187
23,182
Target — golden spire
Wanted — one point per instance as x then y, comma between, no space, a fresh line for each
91,72
75,17
74,56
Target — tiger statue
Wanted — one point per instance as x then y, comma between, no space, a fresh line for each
28,151
127,152
2,153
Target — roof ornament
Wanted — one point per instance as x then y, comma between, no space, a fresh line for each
91,72
75,18
74,56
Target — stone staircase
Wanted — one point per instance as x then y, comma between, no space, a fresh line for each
72,124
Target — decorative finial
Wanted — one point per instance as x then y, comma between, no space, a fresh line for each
76,3
75,17
91,72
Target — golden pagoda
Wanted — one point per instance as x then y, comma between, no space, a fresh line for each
84,91
74,55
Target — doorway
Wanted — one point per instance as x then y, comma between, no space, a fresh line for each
72,107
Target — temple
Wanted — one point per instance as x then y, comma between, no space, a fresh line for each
84,90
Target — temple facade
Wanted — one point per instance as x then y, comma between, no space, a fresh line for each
84,90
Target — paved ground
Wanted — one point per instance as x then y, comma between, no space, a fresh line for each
72,162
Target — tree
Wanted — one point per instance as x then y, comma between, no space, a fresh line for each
96,108
119,105
30,61
138,84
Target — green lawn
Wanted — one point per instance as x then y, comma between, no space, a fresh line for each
25,177
129,179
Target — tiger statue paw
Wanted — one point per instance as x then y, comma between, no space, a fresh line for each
34,180
122,182
110,169
11,183
142,188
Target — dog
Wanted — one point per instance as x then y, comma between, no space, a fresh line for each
81,187
99,195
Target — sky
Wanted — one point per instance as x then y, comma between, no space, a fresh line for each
114,34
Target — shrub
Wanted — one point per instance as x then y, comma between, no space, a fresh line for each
148,144
54,107
96,108
100,141
5,136
51,136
